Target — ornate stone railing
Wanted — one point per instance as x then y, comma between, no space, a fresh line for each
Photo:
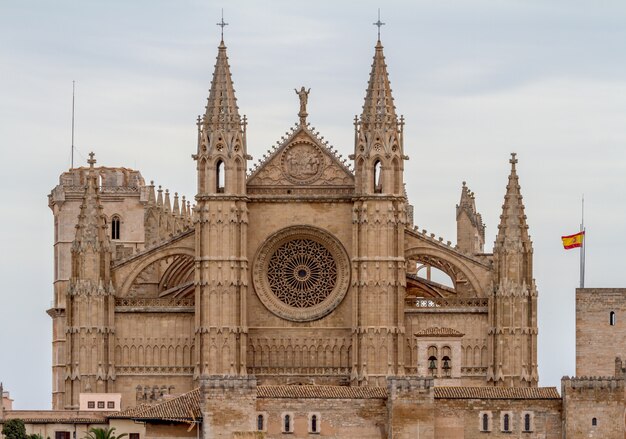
479,304
154,370
105,189
154,302
332,371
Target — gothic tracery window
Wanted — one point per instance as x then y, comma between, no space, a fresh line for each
219,177
378,177
302,273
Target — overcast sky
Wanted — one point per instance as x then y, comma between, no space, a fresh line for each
475,81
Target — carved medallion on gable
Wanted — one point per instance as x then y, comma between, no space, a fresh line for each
302,163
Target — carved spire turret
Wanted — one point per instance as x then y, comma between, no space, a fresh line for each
91,249
513,242
513,309
379,145
90,288
221,154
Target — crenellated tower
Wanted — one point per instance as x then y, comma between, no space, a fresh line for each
470,230
90,302
513,308
221,220
379,220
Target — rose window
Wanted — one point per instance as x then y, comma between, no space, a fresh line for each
302,273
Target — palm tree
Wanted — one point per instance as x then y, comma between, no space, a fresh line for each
104,433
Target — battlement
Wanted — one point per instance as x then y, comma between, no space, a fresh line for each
586,383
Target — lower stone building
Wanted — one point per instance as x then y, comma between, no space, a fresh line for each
299,299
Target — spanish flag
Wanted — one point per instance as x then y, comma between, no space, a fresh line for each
573,241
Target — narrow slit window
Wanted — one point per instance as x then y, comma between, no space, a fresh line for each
506,423
287,423
259,423
485,426
594,422
314,424
115,227
527,422
219,177
612,318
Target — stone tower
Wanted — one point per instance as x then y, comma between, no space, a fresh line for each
90,302
513,308
470,230
379,218
220,220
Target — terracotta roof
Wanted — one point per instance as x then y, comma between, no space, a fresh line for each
183,408
130,412
321,392
439,332
496,393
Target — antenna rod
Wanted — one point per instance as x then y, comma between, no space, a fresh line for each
73,88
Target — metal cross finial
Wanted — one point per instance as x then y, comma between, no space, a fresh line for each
91,160
222,24
379,24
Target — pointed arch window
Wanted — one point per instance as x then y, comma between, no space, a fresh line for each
115,227
378,177
260,423
485,421
219,177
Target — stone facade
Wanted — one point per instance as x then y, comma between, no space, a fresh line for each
297,298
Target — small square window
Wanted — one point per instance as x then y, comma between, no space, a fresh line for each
91,404
133,436
100,404
110,404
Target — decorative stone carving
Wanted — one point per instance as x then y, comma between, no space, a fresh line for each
301,273
302,163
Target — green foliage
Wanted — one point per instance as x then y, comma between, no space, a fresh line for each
104,433
35,436
14,429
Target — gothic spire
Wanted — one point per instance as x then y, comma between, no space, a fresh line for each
513,235
379,108
91,242
221,109
513,229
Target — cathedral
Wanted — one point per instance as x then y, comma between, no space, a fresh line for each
297,296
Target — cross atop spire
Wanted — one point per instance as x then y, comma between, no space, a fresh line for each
222,24
513,160
378,24
91,159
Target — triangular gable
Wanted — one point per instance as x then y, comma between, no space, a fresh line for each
301,160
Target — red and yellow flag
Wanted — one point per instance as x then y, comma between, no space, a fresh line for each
573,241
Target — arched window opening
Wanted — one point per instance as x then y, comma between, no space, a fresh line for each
432,365
594,422
219,177
485,426
259,423
287,423
115,227
446,366
506,422
314,424
378,177
527,422
612,318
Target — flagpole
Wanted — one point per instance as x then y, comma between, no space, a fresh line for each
582,247
72,162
